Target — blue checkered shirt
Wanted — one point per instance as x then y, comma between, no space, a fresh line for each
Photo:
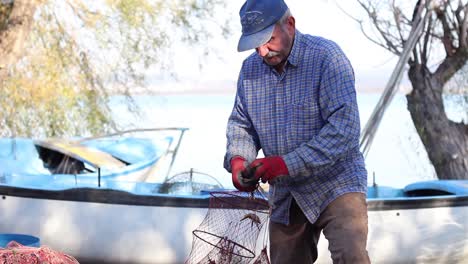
309,116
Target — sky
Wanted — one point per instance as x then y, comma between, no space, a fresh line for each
372,64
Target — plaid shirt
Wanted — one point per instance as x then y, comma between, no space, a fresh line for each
308,115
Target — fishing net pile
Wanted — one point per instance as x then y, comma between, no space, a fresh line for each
235,221
15,253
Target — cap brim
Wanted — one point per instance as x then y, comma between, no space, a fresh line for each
255,40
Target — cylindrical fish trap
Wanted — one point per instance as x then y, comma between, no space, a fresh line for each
262,258
230,230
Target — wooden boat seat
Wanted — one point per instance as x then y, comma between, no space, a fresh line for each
75,151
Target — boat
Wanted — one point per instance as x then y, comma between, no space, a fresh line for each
147,222
126,155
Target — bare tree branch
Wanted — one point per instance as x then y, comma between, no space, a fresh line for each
464,29
447,39
397,15
372,14
453,20
426,42
360,22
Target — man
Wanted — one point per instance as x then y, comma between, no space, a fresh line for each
297,102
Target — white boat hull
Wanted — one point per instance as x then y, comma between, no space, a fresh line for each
99,232
117,233
121,222
430,235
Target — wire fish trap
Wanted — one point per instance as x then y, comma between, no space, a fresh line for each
262,258
231,228
189,182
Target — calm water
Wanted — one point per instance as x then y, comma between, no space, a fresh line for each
396,158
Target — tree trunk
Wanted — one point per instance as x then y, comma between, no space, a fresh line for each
446,142
16,18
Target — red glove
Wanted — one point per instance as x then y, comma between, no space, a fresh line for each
242,180
269,168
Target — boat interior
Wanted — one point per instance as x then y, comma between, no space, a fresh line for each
70,157
420,189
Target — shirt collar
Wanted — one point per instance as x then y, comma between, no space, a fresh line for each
294,55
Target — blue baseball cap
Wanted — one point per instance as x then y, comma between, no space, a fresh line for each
258,19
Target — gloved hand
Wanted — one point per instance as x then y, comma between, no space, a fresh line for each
242,178
268,168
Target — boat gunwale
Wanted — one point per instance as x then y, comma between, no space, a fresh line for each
120,197
108,196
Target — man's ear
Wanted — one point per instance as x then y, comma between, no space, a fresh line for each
291,23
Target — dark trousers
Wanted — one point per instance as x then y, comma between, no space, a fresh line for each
343,222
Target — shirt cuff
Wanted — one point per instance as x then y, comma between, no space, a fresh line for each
296,166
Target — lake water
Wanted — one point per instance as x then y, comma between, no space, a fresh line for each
396,158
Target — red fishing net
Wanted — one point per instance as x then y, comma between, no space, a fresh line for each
231,228
15,253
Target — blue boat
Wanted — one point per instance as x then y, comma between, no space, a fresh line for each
115,157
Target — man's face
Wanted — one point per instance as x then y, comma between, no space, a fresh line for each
277,49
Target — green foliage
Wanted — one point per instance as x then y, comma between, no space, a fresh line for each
82,52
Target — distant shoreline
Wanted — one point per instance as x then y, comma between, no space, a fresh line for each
229,87
216,92
187,90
